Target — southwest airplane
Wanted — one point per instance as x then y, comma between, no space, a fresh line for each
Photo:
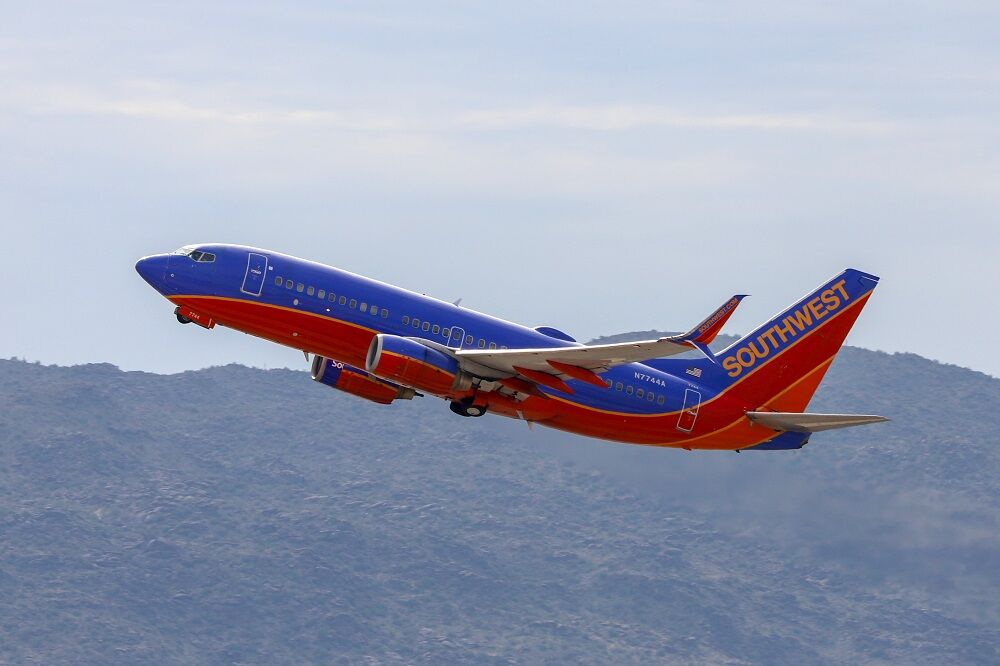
384,343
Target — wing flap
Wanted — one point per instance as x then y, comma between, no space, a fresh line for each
803,422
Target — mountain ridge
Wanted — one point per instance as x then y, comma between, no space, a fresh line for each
239,515
720,343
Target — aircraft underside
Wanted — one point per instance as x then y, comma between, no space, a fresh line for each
693,428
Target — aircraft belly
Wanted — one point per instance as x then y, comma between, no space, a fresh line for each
300,330
720,425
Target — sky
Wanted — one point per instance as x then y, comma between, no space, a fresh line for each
599,167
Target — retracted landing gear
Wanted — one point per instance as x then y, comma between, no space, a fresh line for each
467,408
186,315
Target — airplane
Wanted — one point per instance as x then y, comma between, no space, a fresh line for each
384,343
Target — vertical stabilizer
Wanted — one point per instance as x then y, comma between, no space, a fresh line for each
779,365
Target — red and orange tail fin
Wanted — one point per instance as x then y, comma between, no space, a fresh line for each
779,366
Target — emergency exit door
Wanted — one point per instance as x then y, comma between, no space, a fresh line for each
689,413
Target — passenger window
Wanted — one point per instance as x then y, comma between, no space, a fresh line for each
300,287
311,290
482,343
406,319
343,300
630,389
278,281
618,386
321,294
416,323
446,332
650,396
354,303
640,393
289,284
332,297
493,345
468,339
374,311
426,326
385,313
660,400
364,307
608,383
435,329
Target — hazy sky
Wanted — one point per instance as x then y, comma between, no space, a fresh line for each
601,167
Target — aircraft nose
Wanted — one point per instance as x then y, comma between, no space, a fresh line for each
153,269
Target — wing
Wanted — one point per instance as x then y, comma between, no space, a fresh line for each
588,357
543,365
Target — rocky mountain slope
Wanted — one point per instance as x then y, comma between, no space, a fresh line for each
235,515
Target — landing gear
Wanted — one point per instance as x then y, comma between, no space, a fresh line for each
186,315
466,408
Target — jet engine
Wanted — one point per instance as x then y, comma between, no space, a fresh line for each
357,382
409,361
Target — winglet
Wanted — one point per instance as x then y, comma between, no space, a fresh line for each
705,332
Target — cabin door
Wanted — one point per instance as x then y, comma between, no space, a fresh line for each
253,281
689,413
455,339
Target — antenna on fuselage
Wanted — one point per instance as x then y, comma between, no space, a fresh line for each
457,302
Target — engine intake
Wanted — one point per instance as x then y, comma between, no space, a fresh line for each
357,382
412,363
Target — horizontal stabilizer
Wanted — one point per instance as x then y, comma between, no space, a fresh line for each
799,422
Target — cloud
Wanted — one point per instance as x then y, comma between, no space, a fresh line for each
627,117
600,118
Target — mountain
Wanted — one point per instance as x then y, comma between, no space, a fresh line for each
236,515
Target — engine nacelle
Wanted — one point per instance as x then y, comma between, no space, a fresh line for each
357,382
409,362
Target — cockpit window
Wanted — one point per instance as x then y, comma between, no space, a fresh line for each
195,254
